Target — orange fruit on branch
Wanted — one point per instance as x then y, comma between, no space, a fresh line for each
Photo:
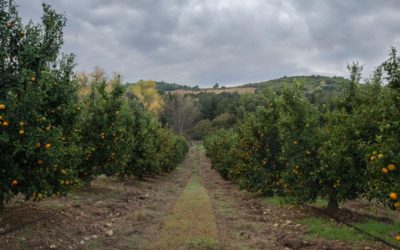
384,171
392,167
14,183
393,196
2,107
5,123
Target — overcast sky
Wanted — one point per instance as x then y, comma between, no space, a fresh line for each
225,41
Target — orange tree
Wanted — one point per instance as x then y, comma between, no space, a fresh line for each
360,143
152,148
299,123
171,149
259,164
382,155
38,107
346,127
222,149
143,151
104,135
251,153
339,174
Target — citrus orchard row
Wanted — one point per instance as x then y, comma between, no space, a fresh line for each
341,150
52,138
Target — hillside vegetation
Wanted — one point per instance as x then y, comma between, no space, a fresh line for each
165,87
310,83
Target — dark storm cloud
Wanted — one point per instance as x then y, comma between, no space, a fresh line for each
226,41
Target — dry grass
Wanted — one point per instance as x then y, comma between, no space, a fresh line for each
191,224
239,90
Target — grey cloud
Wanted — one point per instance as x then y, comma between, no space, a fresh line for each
225,41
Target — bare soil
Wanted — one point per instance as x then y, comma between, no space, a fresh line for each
138,215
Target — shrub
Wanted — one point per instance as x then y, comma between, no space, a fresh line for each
201,129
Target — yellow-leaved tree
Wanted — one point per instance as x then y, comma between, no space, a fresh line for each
148,95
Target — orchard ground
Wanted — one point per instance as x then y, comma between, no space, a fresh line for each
191,208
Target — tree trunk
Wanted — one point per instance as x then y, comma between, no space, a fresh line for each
87,182
1,204
122,179
333,204
268,193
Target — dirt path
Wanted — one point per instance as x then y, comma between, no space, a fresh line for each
212,213
191,208
244,222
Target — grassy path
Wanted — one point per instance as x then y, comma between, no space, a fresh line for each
191,223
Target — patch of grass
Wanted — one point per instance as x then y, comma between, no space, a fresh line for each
202,243
382,230
74,196
93,245
321,202
279,201
201,148
116,192
246,226
244,248
273,200
318,227
21,243
329,230
226,209
191,221
52,204
143,215
132,242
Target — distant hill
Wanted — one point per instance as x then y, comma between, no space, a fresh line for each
166,87
239,90
319,89
311,83
316,87
184,89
